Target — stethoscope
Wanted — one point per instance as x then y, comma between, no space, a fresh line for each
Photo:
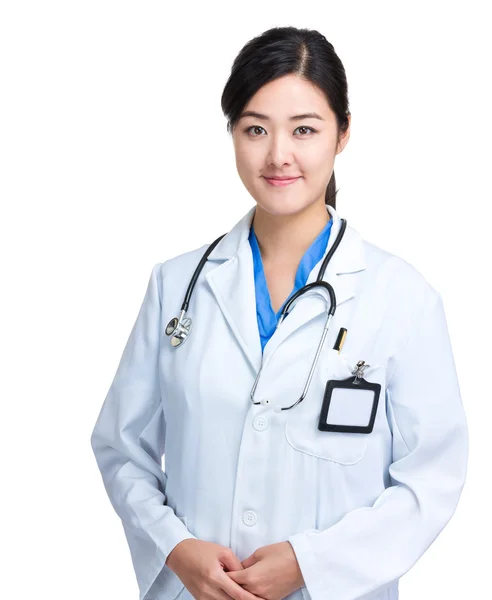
179,328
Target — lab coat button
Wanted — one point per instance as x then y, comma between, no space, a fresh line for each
260,423
250,517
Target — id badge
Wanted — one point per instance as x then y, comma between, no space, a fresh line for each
349,405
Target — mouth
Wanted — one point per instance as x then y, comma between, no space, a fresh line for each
279,182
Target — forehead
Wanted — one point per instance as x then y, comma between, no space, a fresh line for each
289,96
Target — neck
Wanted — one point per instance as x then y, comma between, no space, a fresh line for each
283,239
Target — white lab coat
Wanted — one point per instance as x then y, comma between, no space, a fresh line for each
358,509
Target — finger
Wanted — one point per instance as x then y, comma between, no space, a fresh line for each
235,590
248,562
238,576
230,561
220,594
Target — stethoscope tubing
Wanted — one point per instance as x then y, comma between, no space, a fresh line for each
180,327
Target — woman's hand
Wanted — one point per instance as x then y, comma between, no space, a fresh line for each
271,572
200,566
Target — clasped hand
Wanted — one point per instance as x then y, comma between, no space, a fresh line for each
271,572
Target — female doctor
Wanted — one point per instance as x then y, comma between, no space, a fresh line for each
284,481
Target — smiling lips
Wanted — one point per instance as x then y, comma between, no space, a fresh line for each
278,182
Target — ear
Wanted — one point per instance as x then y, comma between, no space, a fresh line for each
345,136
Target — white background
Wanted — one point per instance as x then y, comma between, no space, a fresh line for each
115,156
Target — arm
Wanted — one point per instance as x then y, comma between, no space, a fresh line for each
372,546
128,443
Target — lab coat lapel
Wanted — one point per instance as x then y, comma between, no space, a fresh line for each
233,285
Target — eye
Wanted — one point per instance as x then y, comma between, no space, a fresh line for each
254,127
300,127
304,127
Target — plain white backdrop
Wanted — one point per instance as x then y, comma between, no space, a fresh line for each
115,156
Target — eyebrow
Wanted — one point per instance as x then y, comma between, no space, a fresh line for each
257,115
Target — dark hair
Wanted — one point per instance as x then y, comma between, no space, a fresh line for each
280,51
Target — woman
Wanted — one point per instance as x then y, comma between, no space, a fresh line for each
258,501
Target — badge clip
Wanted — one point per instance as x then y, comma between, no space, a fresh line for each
359,371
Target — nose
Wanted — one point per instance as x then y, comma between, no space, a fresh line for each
280,151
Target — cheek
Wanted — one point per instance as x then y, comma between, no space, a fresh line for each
317,160
317,172
247,162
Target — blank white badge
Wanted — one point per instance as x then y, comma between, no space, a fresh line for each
350,407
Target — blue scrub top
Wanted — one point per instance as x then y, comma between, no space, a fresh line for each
267,319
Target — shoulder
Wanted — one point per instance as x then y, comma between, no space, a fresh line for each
396,295
176,272
402,280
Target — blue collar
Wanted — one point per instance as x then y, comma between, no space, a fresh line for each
267,319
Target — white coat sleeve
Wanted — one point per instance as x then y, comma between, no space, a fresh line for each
370,547
128,443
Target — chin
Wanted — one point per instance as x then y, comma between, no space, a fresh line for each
282,206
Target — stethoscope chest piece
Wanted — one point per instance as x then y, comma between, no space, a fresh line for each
179,330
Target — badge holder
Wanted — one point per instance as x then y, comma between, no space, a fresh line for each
345,398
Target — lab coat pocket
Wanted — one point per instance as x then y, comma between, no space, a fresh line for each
301,427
